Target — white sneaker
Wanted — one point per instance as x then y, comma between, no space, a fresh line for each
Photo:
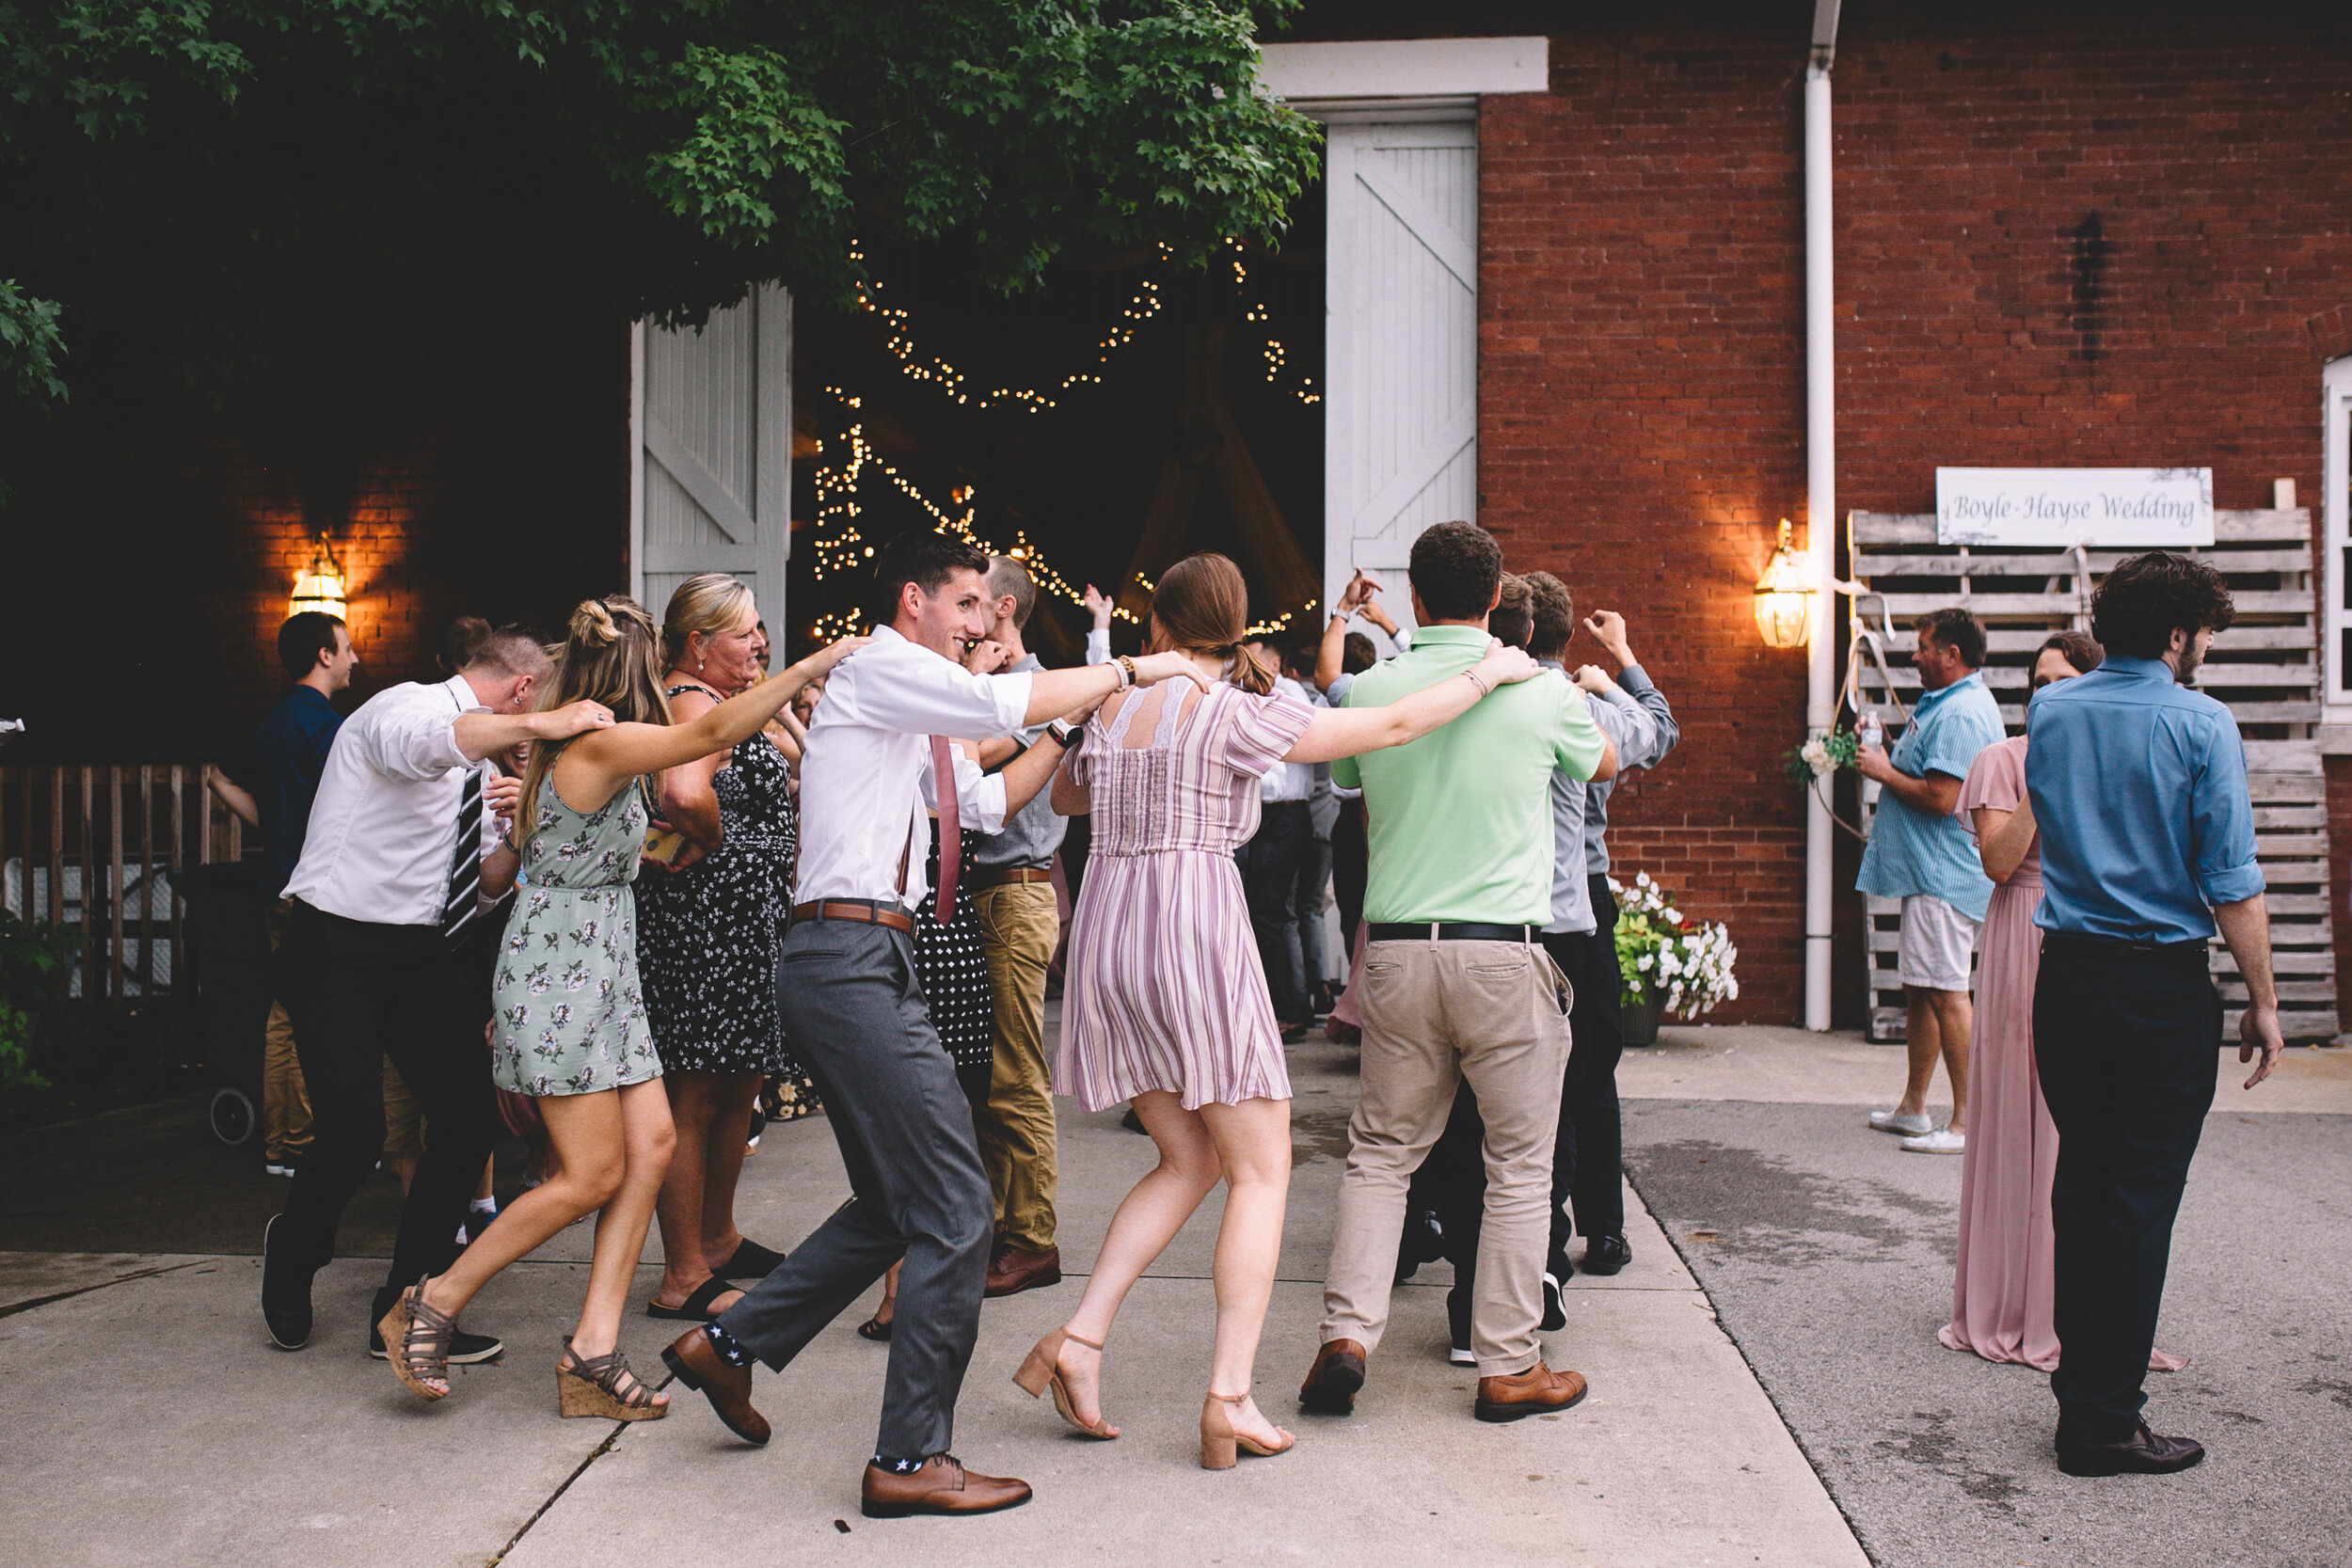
1942,1141
1460,1356
1909,1127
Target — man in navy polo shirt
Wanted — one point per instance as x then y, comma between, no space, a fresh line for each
270,782
2138,785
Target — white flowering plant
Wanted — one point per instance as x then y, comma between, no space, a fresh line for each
1824,754
1664,955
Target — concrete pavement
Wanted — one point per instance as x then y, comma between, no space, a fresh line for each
1828,1253
155,1424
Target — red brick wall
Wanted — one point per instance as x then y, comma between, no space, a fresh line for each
152,545
1642,378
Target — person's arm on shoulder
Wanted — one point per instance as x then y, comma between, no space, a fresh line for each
1347,732
239,800
619,752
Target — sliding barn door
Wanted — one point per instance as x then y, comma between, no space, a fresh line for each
1401,437
713,416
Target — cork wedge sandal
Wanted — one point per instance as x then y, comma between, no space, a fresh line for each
603,1386
422,1334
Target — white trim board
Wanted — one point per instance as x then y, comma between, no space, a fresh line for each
1405,68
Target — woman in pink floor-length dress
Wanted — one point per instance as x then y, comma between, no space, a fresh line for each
1165,1000
2001,1288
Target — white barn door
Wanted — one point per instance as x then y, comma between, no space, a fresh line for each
712,454
1401,388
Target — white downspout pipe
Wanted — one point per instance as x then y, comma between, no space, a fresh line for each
1821,533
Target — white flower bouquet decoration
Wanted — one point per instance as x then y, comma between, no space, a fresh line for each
1670,963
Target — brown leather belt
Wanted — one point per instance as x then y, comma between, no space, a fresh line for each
1008,876
861,910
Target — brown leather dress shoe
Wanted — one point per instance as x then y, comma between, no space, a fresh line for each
943,1485
1538,1391
1014,1270
1332,1381
2142,1453
728,1388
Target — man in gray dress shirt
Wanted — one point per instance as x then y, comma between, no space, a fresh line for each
1585,1175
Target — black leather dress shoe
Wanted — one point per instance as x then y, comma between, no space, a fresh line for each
285,1295
2142,1453
1606,1255
1422,1241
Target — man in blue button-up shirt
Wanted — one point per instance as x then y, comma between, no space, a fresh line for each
2138,785
1918,852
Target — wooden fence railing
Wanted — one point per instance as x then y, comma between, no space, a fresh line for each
2264,668
98,846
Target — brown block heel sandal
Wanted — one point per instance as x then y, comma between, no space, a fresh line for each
603,1386
1221,1446
416,1337
1041,1370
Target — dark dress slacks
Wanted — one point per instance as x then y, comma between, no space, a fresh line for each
855,1013
358,993
1588,1156
2127,1046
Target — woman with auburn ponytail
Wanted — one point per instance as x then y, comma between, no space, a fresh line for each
1167,998
571,1026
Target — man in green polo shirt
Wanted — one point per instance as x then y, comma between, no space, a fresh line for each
1457,984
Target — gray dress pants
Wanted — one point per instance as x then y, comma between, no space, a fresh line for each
854,1013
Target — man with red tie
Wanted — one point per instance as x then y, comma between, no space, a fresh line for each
871,771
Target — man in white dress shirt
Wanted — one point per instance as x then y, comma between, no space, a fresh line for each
874,766
400,838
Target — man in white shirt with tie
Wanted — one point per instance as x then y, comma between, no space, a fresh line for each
874,765
401,839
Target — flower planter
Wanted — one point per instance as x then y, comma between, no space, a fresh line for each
1639,1021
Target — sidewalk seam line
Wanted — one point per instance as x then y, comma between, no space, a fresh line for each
12,1310
557,1496
1715,1311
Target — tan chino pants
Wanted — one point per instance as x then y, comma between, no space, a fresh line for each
1019,926
1435,1013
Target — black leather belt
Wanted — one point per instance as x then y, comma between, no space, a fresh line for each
1470,931
2189,955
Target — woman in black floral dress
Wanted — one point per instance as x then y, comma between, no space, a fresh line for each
710,923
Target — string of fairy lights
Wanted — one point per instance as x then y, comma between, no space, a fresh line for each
843,462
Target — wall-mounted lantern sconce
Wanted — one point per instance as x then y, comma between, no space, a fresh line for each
319,586
1784,600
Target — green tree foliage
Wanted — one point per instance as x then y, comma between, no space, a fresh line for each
213,185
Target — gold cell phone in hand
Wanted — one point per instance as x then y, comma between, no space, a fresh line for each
663,844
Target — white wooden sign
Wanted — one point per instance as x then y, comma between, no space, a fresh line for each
2150,507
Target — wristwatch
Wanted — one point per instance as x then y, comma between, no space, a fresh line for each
1065,735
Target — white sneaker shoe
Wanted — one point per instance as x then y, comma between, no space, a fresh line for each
1460,1356
1909,1127
1942,1141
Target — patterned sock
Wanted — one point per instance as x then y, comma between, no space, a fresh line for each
898,1467
724,1342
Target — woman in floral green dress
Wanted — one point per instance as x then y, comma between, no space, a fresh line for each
571,1026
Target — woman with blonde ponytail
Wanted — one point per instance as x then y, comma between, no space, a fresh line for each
1167,998
571,1026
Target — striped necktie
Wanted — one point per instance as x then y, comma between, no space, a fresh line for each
465,874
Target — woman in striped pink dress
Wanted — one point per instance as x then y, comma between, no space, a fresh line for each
1167,1002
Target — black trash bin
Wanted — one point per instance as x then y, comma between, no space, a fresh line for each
229,950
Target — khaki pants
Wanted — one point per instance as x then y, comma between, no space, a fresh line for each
285,1108
1435,1013
1019,926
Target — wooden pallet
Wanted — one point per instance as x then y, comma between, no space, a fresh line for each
2265,667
